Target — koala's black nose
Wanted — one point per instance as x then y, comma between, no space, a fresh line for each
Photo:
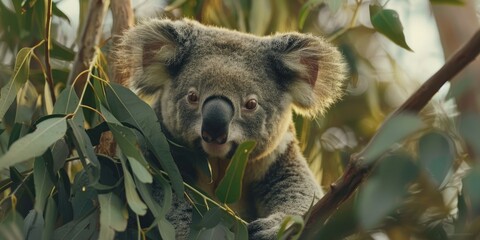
217,113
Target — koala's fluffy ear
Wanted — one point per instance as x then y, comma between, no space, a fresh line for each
149,53
312,70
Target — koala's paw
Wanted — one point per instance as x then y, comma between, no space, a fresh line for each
265,228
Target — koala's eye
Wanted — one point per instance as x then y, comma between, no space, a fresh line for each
192,97
251,104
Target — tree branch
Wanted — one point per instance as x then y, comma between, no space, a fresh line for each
48,42
357,170
89,38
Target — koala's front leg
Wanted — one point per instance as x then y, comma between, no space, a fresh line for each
288,188
180,214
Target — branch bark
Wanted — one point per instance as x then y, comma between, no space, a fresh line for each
86,47
356,171
122,14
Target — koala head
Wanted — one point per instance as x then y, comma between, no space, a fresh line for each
215,88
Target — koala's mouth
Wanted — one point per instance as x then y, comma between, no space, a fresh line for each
225,150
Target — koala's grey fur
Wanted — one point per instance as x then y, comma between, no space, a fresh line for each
282,72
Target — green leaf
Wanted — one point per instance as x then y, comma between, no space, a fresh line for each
436,153
471,190
217,232
133,200
84,196
452,2
395,129
50,219
34,225
47,133
470,130
291,220
85,149
211,218
80,229
12,225
165,228
229,189
306,9
19,78
127,107
241,231
387,22
385,190
67,103
57,12
43,184
113,215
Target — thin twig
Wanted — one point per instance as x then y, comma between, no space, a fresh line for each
48,70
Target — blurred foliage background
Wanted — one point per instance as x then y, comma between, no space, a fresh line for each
424,187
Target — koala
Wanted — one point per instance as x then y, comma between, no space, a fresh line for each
214,88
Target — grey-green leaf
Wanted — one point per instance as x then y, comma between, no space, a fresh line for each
436,153
67,103
113,215
387,22
395,129
37,142
142,116
43,184
133,200
385,189
229,189
19,78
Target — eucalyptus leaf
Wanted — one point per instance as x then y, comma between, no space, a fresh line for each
12,225
436,153
211,218
395,129
113,215
385,190
260,17
43,184
19,78
306,9
47,133
80,229
127,107
85,149
217,232
67,103
133,200
387,22
34,225
50,219
229,189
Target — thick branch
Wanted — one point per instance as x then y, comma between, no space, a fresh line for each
356,170
89,39
122,14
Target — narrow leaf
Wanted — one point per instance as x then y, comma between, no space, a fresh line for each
133,200
229,189
85,149
436,154
127,107
47,133
50,219
19,78
113,215
394,130
34,225
306,9
291,220
385,190
387,22
67,103
43,184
